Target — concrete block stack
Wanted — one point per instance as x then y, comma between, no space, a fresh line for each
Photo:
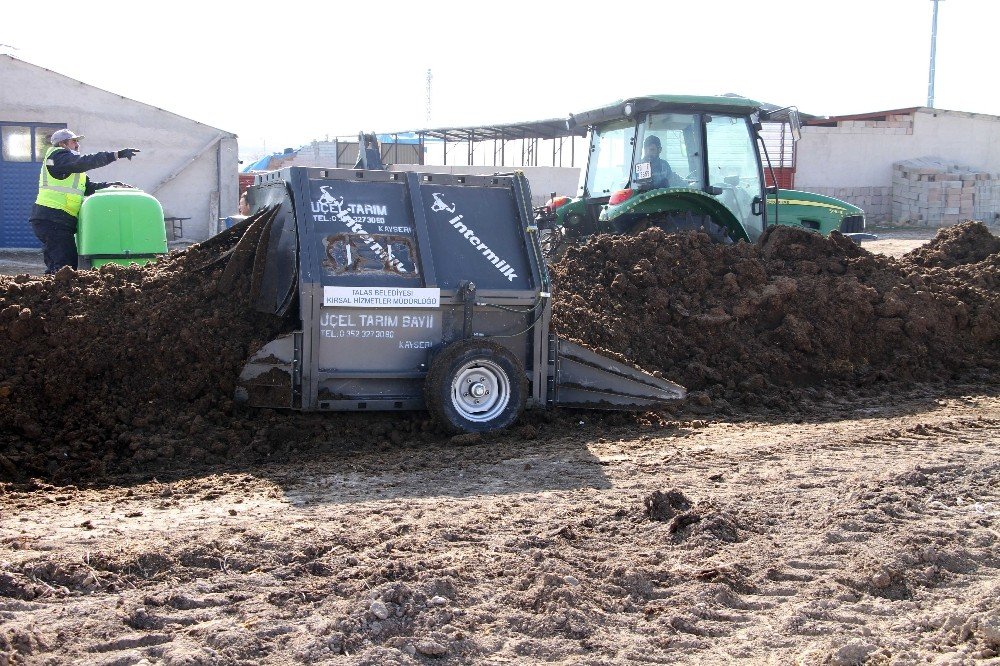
875,201
932,192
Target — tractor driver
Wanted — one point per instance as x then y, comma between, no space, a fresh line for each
663,175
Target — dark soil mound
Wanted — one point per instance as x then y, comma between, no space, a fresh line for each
121,363
966,243
797,308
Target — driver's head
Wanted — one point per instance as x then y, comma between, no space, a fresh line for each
651,147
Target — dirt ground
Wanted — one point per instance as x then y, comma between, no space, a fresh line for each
833,508
896,242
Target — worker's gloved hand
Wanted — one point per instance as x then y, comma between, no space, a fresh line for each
127,153
120,184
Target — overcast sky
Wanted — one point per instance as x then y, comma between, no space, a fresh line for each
283,74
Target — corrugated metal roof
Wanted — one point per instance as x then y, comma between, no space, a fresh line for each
552,128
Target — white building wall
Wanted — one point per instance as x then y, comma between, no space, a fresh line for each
189,167
853,161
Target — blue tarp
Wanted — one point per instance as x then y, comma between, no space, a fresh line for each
261,164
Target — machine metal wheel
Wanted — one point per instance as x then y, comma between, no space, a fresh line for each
475,386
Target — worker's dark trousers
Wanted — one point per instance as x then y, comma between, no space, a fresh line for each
58,244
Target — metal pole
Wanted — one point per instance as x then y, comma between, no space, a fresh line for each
930,78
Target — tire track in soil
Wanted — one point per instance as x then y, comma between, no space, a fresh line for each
889,570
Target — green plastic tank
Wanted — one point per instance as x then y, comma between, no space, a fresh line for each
121,226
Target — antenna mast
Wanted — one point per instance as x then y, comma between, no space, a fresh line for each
930,78
427,99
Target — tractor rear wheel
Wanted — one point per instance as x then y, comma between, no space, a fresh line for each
475,386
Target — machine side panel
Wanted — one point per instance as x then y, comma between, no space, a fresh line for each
480,232
363,233
376,339
371,319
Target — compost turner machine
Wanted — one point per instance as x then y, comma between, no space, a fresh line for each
412,291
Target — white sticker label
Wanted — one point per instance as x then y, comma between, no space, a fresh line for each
643,171
381,297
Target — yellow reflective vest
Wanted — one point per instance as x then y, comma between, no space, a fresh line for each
64,194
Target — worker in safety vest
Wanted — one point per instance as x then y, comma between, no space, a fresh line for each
62,185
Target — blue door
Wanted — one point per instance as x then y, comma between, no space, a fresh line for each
22,147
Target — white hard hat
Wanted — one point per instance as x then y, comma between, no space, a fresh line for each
63,135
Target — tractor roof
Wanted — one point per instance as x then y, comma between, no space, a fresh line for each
647,103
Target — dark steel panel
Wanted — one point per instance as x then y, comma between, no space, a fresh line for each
354,339
480,232
363,232
424,249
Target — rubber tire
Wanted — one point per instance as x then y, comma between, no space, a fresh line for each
451,362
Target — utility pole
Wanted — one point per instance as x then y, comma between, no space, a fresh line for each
427,100
930,79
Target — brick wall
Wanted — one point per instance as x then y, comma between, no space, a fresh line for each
875,201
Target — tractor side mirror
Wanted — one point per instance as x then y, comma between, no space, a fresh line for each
795,122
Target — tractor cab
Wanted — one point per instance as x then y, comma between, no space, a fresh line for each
682,162
671,161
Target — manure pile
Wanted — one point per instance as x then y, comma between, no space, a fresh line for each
122,365
746,321
133,369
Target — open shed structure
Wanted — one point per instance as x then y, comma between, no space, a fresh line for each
536,143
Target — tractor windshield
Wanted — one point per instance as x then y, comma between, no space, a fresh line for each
671,150
610,158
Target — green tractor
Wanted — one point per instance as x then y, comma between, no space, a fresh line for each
684,162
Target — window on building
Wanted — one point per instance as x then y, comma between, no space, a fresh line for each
42,135
15,142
